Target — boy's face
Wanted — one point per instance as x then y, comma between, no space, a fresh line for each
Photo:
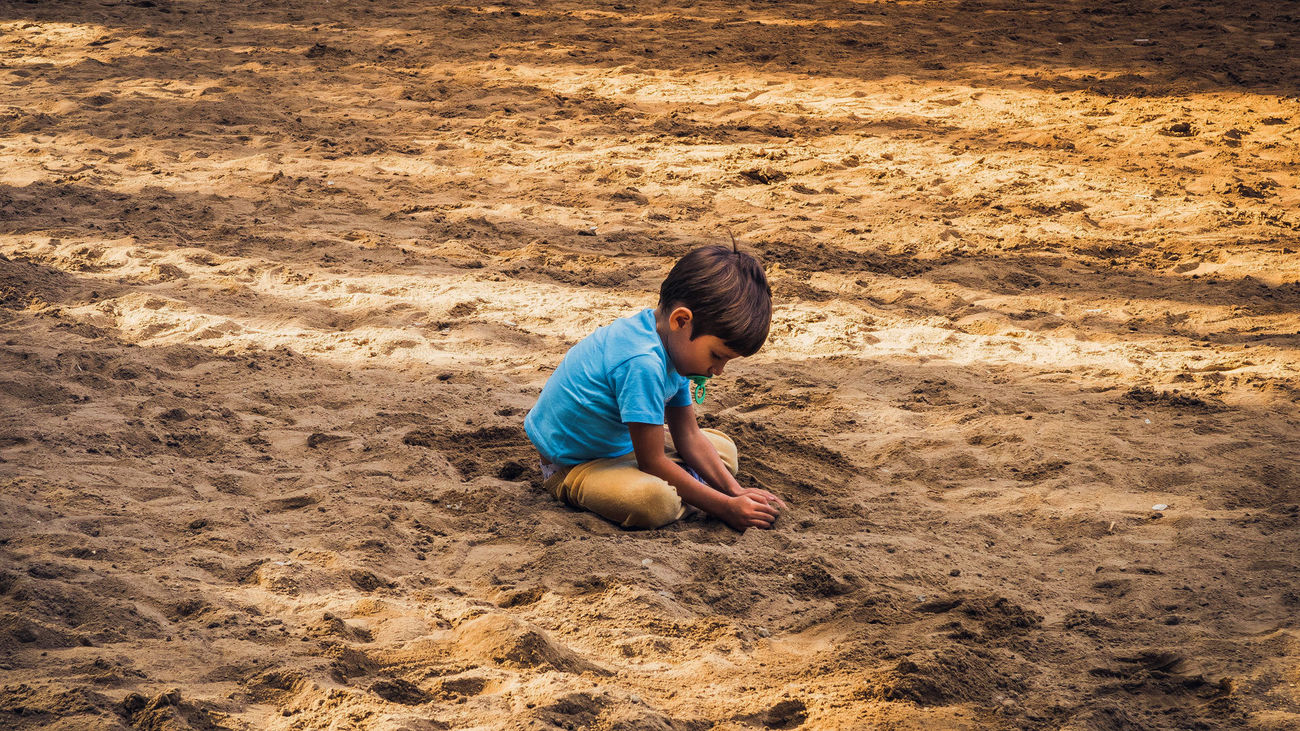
706,355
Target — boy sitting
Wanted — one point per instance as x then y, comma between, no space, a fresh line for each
599,421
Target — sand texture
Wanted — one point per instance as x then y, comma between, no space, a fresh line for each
279,280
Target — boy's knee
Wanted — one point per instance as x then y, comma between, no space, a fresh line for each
653,504
726,447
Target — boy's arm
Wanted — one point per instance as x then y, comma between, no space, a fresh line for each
698,452
739,512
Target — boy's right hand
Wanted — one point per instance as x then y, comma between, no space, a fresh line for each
744,512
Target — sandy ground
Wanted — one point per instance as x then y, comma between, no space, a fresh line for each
278,281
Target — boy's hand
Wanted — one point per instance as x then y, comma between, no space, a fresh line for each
746,511
763,496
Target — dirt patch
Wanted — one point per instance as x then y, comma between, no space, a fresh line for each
278,284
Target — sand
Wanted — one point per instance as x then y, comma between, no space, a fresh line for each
279,280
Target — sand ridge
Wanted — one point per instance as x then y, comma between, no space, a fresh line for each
278,282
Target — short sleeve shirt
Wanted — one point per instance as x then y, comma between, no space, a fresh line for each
618,375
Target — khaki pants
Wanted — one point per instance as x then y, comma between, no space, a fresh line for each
617,490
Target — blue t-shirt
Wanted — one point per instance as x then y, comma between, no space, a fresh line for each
618,375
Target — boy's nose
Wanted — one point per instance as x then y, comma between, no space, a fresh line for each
717,370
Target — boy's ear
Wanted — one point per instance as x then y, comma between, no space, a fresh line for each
680,317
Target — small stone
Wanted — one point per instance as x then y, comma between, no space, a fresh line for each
763,632
955,572
1159,506
634,698
646,562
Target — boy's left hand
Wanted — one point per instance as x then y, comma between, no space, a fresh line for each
762,496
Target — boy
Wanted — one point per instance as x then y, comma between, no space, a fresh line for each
599,422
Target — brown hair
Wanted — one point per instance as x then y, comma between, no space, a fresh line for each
727,294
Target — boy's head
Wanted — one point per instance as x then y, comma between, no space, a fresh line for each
727,294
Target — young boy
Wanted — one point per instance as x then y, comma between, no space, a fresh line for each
599,422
